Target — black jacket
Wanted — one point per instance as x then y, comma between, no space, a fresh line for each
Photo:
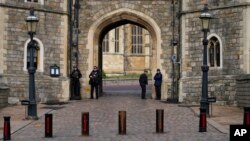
143,79
158,79
95,77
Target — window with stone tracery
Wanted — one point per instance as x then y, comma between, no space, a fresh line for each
38,55
214,52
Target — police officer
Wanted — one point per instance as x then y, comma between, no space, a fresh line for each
94,81
157,84
143,80
75,83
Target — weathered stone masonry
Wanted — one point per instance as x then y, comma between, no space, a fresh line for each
230,25
92,11
51,31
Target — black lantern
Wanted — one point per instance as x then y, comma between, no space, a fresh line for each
32,21
54,71
205,18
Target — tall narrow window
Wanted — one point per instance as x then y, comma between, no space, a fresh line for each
214,52
35,55
211,54
105,43
38,55
136,40
117,40
218,54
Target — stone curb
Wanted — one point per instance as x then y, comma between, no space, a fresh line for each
213,123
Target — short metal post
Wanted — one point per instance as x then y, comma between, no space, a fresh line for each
85,123
246,116
203,121
159,120
48,125
6,131
122,122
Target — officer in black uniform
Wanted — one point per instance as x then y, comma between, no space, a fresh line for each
143,80
75,84
94,81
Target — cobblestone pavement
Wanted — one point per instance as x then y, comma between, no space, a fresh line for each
180,123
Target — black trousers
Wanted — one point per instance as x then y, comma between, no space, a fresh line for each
158,92
92,91
143,91
75,89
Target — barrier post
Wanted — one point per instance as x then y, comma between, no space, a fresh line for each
159,120
6,131
48,125
203,121
122,122
85,123
246,116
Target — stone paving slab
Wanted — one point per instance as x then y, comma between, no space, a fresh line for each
223,116
17,114
180,123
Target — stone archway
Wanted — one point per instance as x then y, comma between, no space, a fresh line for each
116,18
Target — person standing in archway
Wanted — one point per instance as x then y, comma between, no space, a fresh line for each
143,80
157,84
94,81
75,83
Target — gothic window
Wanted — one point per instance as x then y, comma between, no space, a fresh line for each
214,52
117,40
105,43
136,40
38,55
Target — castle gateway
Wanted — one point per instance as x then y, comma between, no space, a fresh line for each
175,45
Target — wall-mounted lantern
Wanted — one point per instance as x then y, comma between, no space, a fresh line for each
54,71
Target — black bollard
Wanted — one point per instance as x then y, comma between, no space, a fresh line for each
6,131
246,116
48,125
159,120
122,122
85,123
203,121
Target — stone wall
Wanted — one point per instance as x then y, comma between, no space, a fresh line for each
155,16
4,92
228,25
242,90
53,36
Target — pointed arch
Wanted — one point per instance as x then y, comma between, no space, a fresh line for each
117,18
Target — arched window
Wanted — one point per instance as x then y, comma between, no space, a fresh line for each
214,52
38,55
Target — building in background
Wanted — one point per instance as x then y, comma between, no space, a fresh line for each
134,48
126,50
